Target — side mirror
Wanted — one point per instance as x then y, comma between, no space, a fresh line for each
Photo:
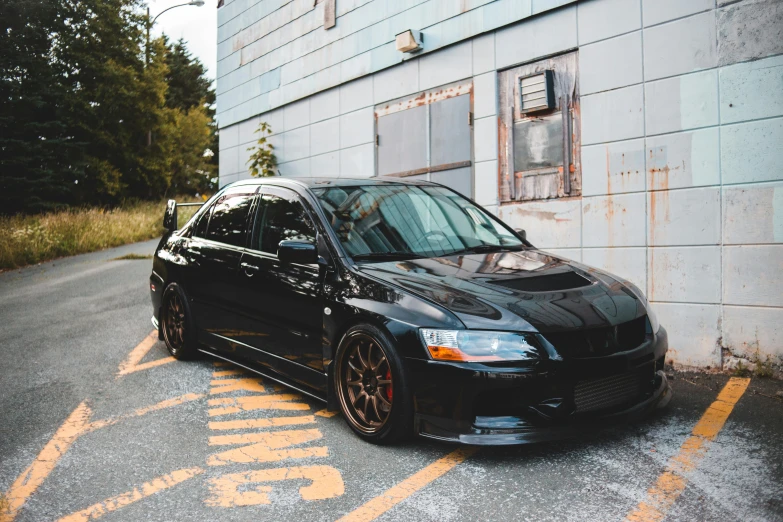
299,252
521,232
170,217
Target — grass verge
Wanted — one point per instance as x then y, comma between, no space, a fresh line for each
27,240
132,257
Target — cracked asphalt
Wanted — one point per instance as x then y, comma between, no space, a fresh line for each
167,440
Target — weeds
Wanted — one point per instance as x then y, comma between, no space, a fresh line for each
132,257
27,240
741,370
764,369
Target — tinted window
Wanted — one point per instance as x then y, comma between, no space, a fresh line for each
228,223
203,222
283,219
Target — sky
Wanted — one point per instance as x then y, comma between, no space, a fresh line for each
197,25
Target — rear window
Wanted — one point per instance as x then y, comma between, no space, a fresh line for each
228,222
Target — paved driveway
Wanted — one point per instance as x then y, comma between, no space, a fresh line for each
96,421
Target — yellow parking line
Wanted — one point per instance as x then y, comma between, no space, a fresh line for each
326,413
272,422
168,403
232,385
672,482
131,363
396,494
76,425
26,484
148,488
256,402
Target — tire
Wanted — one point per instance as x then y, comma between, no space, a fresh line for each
371,384
177,323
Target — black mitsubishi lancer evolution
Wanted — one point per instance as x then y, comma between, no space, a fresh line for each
408,308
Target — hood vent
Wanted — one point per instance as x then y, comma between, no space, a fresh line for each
545,283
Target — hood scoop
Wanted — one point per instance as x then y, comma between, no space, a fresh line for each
545,282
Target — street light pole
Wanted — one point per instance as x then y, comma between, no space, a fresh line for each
150,23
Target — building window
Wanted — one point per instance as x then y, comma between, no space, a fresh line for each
428,136
540,130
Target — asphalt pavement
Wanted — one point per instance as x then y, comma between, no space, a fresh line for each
96,421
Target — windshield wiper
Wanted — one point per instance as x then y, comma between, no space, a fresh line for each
372,256
482,249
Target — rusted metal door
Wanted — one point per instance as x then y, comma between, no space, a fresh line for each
428,136
539,151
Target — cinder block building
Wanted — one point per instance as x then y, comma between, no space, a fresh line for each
644,137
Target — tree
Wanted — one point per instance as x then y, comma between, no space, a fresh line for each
78,100
35,147
114,99
190,89
189,136
187,79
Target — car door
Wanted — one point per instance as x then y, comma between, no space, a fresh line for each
283,301
215,252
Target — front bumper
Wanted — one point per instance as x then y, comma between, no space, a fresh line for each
484,405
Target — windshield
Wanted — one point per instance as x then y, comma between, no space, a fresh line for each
409,221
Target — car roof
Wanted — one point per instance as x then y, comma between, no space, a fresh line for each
332,182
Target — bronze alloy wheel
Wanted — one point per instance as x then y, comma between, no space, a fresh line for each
174,323
365,383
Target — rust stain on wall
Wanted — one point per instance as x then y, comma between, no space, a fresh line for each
542,215
659,201
426,98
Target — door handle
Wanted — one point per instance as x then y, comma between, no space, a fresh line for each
249,269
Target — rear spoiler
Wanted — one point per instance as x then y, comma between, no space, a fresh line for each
170,217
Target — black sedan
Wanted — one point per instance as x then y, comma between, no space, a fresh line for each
407,307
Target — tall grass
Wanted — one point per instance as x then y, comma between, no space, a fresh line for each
26,240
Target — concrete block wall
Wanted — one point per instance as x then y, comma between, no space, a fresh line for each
273,52
682,126
332,133
682,134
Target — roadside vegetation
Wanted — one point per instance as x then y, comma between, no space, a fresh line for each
98,126
31,239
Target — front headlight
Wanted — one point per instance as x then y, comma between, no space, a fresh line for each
477,345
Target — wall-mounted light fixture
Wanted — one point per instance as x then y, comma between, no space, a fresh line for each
409,41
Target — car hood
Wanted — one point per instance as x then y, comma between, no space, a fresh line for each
526,290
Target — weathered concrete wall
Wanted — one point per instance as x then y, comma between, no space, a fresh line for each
273,52
682,151
682,144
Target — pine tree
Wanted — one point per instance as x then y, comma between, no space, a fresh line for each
115,99
35,148
79,101
189,89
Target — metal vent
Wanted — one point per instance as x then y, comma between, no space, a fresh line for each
536,92
545,283
600,394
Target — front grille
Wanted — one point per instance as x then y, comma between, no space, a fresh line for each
596,342
607,392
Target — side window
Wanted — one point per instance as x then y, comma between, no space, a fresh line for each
201,226
282,219
228,223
